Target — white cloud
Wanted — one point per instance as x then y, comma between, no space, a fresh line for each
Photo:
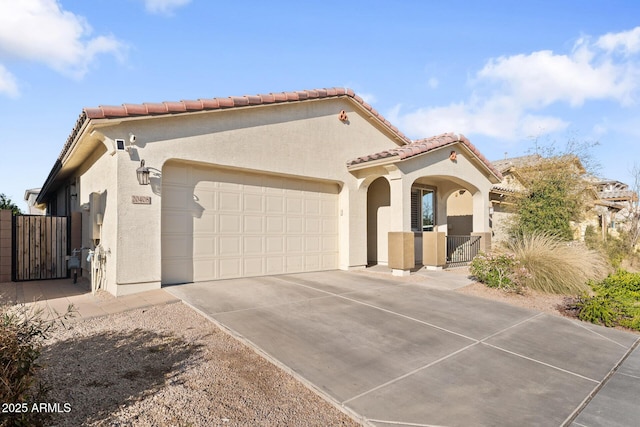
433,83
510,93
543,78
165,7
41,31
8,84
488,119
627,41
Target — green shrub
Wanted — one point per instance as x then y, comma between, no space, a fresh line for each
498,270
598,309
556,266
22,331
616,301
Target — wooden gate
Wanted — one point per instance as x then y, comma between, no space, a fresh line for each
40,247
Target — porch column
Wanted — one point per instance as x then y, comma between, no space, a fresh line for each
481,205
481,208
434,250
401,238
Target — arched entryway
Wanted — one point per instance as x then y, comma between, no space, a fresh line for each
378,220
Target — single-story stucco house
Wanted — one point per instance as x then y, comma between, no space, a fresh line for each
219,188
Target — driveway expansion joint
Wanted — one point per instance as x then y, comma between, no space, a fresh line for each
600,385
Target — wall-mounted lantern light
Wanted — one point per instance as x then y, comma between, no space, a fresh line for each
143,174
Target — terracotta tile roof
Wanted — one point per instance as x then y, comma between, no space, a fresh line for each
155,109
208,104
425,145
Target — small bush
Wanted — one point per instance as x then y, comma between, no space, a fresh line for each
556,266
22,331
598,310
498,270
616,301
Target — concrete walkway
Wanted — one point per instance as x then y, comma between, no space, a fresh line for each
395,352
54,296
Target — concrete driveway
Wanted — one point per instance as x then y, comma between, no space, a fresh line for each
399,353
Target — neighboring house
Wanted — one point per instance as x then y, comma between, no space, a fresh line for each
614,206
259,185
30,196
607,201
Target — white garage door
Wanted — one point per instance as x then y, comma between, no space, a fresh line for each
219,224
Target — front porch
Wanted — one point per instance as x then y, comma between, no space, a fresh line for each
429,209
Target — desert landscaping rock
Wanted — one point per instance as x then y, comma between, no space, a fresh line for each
167,365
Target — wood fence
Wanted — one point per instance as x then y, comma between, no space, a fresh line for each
41,245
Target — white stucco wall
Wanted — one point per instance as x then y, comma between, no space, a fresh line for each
98,175
304,140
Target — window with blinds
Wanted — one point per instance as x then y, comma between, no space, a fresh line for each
423,209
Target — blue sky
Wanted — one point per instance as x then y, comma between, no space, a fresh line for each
501,72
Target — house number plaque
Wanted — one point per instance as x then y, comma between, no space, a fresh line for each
141,200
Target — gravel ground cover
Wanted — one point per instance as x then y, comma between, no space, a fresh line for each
169,366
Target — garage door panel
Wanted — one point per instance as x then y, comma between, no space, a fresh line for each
230,224
253,245
177,270
253,203
295,244
312,244
312,225
274,204
204,245
275,225
275,265
253,224
225,224
229,202
230,268
204,269
295,225
177,246
311,262
294,264
230,245
253,266
274,245
176,223
205,224
295,206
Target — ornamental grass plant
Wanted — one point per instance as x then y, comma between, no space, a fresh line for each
556,266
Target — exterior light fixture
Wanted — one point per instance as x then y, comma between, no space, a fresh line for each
143,174
453,156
